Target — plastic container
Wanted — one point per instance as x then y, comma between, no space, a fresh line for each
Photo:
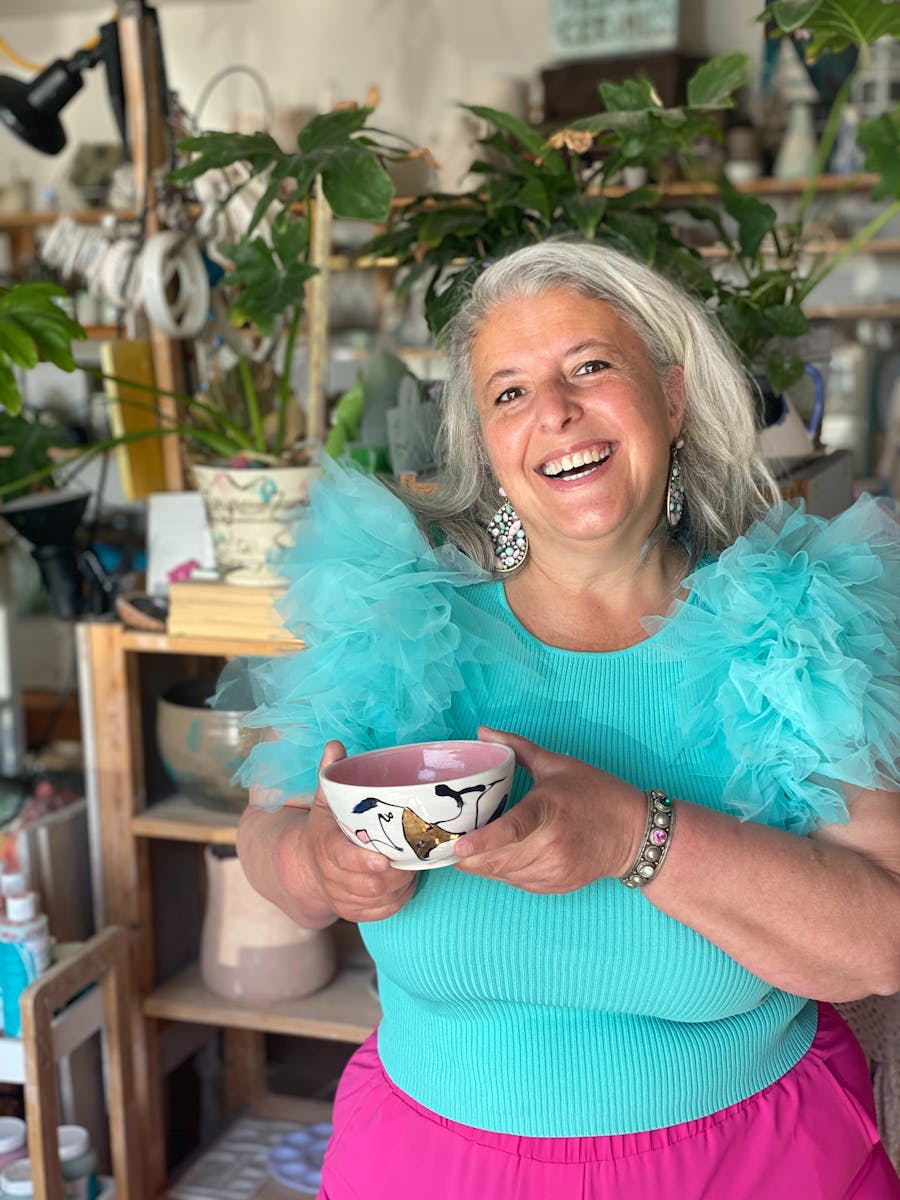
13,1141
25,952
15,1180
78,1161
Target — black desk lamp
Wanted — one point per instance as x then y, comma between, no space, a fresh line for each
31,110
49,521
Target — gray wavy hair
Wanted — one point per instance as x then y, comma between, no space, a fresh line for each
727,484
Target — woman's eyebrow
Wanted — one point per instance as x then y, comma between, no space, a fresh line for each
594,344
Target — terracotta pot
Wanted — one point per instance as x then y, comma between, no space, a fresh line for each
250,952
250,511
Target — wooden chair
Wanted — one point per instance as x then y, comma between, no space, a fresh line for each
87,992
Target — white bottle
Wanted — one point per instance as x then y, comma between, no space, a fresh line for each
25,953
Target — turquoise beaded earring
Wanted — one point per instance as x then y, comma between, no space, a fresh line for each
675,491
508,536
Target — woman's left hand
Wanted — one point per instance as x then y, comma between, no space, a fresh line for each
576,824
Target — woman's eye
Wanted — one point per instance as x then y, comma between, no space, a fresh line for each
592,367
512,393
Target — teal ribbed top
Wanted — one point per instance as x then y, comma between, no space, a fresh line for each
592,1012
588,1013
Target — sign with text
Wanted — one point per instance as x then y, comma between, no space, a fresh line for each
594,28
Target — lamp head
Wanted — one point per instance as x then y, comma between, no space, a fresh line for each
31,110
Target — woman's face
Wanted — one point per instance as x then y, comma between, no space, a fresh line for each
575,422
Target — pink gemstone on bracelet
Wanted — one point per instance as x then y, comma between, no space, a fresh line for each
659,836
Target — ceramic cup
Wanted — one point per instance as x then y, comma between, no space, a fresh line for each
411,803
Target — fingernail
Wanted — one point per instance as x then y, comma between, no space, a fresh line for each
462,848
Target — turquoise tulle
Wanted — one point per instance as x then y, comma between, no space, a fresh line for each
793,642
392,639
790,642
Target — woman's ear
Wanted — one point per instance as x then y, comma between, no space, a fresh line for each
675,398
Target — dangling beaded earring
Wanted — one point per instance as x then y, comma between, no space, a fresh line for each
675,491
509,538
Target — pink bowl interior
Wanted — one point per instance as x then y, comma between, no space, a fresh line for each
427,762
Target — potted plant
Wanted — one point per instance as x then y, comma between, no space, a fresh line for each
532,187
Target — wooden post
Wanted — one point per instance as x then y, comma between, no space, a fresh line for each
317,319
119,792
145,108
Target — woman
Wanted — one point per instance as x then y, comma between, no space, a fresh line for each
659,633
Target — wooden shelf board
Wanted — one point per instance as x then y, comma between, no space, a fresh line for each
222,647
180,819
274,1108
886,310
344,1011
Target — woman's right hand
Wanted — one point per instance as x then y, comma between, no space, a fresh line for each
356,884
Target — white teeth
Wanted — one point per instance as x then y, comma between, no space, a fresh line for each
581,458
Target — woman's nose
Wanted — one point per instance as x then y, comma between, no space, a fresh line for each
557,404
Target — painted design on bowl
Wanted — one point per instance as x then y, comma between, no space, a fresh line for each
381,819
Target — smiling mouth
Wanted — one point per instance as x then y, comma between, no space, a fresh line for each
579,464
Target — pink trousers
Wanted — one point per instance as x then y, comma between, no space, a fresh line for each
811,1135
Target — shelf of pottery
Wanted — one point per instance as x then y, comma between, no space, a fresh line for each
217,969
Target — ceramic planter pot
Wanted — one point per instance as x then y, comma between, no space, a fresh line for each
250,951
250,511
202,747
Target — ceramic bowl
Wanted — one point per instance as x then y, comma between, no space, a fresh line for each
411,803
201,747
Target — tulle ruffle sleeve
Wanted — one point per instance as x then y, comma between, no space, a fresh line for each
392,641
793,648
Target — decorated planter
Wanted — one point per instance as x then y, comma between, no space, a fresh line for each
250,511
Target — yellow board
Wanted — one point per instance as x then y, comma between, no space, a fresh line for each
132,410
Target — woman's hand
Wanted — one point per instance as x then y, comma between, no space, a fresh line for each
357,884
577,824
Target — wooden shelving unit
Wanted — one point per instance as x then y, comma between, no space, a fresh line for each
135,827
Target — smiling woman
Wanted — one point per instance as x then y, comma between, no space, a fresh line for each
700,686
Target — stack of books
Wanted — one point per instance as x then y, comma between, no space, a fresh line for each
213,608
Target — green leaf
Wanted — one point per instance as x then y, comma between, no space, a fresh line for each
16,344
755,219
787,320
357,186
10,396
331,128
637,232
880,138
463,222
264,289
712,85
783,370
216,150
837,24
529,138
30,295
52,337
290,236
441,306
789,15
631,96
585,213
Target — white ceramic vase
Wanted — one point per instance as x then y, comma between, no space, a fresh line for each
250,511
250,951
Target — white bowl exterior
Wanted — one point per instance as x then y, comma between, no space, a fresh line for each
416,824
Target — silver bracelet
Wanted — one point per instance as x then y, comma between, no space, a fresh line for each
655,842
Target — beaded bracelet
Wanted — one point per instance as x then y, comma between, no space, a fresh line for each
655,842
